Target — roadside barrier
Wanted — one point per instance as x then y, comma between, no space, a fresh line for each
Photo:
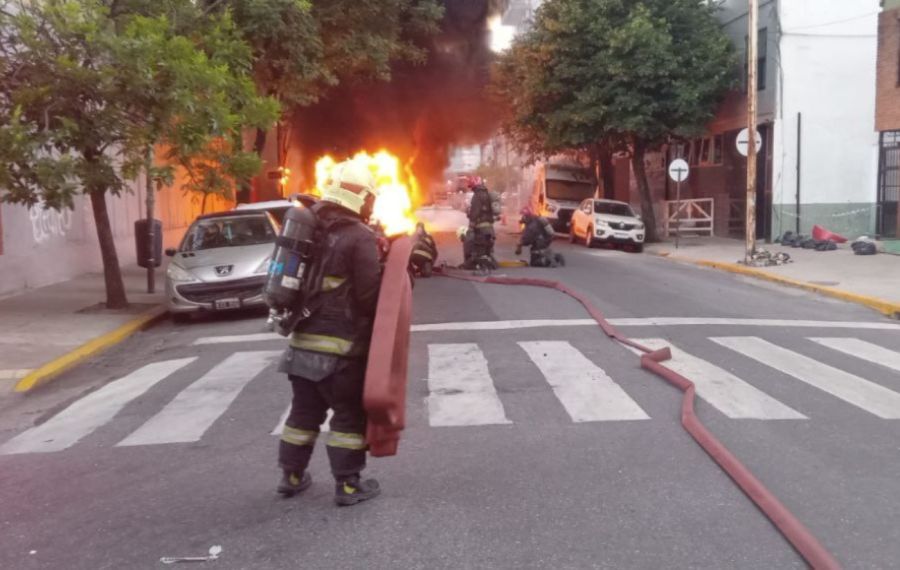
794,531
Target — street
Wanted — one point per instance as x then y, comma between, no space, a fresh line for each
532,440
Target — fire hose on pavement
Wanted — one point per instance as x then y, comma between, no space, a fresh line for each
794,531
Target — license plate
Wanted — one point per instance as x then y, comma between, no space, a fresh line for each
621,235
231,303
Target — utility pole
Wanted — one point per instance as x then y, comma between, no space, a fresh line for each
151,201
752,51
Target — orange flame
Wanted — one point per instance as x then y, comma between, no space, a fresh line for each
395,187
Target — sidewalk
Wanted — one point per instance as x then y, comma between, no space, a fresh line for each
38,326
871,280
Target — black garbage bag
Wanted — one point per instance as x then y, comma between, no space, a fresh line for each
864,248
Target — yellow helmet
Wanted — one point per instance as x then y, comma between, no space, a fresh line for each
461,232
349,184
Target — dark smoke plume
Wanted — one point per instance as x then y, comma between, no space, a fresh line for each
422,112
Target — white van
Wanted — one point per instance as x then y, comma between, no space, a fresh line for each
558,191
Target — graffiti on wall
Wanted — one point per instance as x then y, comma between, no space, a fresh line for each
47,223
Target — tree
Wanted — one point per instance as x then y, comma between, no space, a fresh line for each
84,96
603,75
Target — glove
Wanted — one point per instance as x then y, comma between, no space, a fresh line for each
518,250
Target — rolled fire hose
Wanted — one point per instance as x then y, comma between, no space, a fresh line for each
790,527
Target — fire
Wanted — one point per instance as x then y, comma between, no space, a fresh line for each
395,187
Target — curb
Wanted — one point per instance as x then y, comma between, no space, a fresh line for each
51,370
888,308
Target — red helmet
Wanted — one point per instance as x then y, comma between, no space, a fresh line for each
474,181
526,211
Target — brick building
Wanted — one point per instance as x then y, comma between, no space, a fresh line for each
819,157
887,119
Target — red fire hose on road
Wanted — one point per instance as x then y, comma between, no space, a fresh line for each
784,520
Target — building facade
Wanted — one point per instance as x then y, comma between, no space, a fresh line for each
40,246
816,102
887,120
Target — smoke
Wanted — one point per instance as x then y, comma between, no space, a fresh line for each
422,112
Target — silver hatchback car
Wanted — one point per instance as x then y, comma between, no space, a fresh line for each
221,263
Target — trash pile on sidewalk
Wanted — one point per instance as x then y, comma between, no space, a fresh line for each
765,258
824,240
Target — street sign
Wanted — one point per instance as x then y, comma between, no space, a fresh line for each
743,141
678,170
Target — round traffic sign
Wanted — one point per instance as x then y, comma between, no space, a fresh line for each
743,142
679,170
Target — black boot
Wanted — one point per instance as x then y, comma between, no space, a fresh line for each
293,482
354,490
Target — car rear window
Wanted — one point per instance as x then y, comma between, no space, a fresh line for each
613,208
234,231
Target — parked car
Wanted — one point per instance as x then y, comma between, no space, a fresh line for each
606,221
221,263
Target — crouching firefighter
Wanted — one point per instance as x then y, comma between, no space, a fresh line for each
424,252
538,235
323,290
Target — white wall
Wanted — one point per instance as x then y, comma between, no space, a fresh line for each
828,57
42,247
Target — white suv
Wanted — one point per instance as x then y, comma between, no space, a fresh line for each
606,221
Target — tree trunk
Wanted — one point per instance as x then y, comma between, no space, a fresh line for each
112,273
605,157
203,203
637,163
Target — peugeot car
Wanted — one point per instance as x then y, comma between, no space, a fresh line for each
221,263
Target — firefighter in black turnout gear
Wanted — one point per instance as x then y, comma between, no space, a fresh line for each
424,252
483,212
538,235
326,360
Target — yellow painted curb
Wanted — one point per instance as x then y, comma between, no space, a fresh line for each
57,366
889,308
517,263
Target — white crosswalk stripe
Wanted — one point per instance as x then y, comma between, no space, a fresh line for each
586,392
864,350
92,411
867,395
195,408
461,388
461,391
723,390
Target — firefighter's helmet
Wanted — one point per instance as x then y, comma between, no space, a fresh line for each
461,232
350,184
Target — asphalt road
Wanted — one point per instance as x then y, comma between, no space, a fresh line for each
529,444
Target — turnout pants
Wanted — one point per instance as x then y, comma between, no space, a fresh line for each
341,391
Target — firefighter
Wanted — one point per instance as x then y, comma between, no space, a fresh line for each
424,252
483,212
538,235
326,359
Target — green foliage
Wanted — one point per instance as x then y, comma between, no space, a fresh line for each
614,73
302,48
84,97
591,70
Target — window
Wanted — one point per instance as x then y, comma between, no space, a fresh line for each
613,209
707,151
762,39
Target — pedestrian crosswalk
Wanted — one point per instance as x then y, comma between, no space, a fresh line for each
461,387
